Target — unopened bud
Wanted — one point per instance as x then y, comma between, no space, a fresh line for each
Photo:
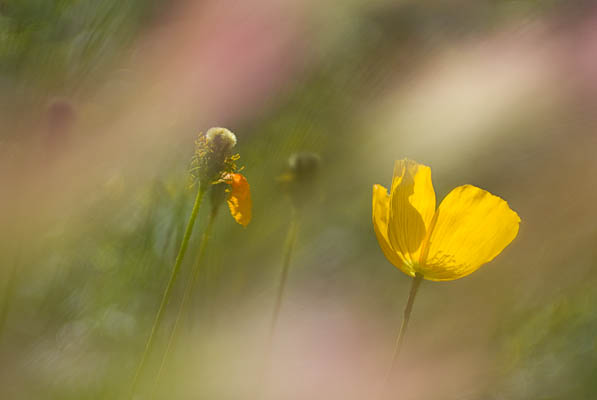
220,140
304,165
300,182
213,155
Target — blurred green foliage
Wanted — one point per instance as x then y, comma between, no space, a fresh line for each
60,47
550,352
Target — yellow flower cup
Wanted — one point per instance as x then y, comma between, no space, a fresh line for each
468,229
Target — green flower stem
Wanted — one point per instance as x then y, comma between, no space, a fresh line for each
288,250
188,290
168,291
416,282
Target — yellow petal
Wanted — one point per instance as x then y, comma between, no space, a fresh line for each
471,227
381,210
412,206
239,200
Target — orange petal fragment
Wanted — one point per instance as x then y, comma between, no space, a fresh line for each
239,199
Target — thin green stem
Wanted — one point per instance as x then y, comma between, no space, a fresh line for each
188,291
288,249
168,290
416,282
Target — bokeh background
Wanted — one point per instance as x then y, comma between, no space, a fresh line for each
100,103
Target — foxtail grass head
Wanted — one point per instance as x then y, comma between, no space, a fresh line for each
469,228
214,166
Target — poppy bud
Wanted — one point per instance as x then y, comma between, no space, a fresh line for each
304,165
301,179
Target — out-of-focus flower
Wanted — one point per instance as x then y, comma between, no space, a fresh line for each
469,228
239,198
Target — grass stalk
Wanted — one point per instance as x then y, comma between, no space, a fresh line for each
288,250
168,290
189,287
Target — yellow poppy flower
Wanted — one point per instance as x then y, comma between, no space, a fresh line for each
469,228
239,198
